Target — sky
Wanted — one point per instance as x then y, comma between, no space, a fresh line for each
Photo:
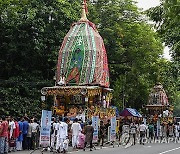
146,4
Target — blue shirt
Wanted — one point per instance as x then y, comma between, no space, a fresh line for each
25,127
20,138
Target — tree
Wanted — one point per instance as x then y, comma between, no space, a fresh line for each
31,33
166,16
177,104
133,50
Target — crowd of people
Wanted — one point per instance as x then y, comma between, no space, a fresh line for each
18,134
151,131
76,133
24,133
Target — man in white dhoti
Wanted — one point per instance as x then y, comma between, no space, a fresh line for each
66,140
76,128
62,133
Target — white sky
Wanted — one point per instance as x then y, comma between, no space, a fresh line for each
146,4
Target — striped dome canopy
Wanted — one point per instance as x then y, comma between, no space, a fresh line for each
82,57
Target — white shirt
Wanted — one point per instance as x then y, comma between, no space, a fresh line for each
12,127
125,129
62,130
76,128
34,127
142,128
133,129
81,116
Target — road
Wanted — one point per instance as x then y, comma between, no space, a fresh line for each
166,148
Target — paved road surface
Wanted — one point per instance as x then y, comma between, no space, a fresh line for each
170,148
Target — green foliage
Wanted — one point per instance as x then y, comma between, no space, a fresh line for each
20,97
133,50
167,19
177,104
31,34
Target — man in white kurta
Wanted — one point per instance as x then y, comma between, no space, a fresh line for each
76,129
11,126
62,133
66,140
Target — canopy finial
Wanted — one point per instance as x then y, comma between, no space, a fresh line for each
84,11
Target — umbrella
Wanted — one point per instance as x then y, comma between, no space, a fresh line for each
130,112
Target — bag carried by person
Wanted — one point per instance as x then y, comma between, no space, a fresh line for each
12,142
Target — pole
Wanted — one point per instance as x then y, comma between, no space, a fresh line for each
123,101
123,97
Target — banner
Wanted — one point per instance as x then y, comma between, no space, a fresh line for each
113,129
45,128
158,127
144,120
95,123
